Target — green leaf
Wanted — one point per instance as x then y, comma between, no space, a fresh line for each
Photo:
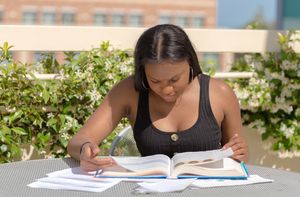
15,116
15,150
276,146
105,45
67,108
51,122
281,38
43,139
19,130
265,136
45,95
37,120
64,142
5,129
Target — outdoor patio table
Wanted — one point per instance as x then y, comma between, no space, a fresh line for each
15,177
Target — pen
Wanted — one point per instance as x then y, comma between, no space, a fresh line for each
100,170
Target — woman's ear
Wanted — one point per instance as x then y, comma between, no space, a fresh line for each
191,75
144,81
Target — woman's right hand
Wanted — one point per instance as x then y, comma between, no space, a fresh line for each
89,160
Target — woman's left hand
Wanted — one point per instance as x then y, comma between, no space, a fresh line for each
239,148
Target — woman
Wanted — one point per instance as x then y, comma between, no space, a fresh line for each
170,104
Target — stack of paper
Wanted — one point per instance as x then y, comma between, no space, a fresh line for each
204,183
166,185
176,185
74,179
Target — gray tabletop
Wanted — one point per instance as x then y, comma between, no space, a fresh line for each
15,177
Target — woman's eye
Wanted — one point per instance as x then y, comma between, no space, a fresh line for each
174,80
154,81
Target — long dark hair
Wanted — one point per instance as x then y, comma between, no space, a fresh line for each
163,43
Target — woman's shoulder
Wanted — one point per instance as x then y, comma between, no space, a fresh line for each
220,88
125,86
127,82
125,95
222,97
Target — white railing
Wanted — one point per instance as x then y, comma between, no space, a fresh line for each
221,75
83,38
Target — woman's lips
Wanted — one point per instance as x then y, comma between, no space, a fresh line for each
169,97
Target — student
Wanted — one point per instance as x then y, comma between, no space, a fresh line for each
171,105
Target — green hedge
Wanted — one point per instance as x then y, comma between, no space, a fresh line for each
270,101
46,113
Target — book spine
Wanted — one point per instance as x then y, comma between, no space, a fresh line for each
244,168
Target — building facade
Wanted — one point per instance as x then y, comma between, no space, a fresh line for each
288,14
122,13
185,13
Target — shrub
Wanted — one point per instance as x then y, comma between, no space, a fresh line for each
270,101
45,113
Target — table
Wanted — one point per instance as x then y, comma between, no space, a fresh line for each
15,177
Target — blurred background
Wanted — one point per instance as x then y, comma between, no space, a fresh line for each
235,14
55,126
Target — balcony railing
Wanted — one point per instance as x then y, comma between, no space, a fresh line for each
83,38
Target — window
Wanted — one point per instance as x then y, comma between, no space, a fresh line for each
164,19
29,17
197,21
100,19
68,18
4,62
181,21
135,20
48,18
1,15
37,56
118,19
291,23
211,60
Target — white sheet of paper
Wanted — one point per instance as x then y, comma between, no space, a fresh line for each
76,173
166,185
204,183
66,187
74,179
97,183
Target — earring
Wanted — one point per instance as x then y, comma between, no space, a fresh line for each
144,86
191,73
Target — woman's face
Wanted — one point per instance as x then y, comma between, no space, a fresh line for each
168,80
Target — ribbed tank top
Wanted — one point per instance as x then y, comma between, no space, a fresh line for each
204,135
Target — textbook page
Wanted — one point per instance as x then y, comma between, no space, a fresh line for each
210,159
225,168
201,156
138,166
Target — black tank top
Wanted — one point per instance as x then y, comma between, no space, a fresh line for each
204,135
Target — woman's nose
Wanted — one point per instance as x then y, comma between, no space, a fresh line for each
168,89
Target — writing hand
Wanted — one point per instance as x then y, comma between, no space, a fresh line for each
89,160
239,148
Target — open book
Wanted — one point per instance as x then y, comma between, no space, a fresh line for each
202,164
